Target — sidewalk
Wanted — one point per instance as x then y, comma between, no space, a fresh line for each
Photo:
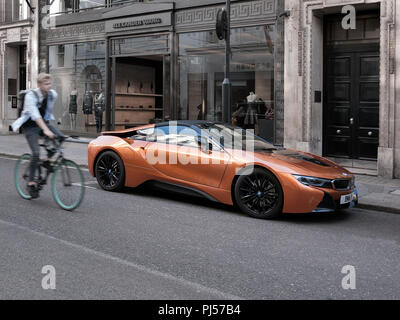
14,145
375,193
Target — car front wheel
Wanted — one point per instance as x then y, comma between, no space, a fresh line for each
259,194
110,171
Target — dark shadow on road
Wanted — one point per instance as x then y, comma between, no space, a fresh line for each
149,191
307,218
303,218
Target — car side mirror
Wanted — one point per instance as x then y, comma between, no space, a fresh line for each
205,145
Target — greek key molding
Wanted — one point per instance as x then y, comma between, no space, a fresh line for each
199,17
77,32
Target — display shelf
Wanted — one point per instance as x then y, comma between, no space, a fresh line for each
139,94
138,109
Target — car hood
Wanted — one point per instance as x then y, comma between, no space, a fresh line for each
302,163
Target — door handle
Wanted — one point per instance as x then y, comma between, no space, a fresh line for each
339,131
351,121
370,133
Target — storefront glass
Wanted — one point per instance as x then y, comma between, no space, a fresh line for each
201,67
78,72
66,6
14,10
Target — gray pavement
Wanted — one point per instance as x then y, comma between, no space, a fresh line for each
147,244
15,145
375,193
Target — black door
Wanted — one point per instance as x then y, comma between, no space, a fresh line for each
351,102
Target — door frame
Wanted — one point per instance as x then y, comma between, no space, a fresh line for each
343,49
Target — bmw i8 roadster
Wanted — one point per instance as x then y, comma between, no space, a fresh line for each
223,163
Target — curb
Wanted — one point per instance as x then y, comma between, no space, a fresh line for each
378,208
78,141
13,156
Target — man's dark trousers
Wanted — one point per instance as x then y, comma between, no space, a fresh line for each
32,135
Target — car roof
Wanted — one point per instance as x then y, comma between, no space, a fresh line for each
187,123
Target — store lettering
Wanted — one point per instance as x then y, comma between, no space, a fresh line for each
137,23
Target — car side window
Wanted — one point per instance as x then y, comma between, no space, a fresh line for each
144,134
177,135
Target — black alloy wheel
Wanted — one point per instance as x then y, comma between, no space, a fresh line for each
110,171
259,194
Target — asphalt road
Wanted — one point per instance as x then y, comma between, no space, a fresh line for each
149,244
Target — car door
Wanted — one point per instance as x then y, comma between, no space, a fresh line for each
176,153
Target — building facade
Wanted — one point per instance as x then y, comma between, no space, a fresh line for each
340,88
159,60
18,55
332,91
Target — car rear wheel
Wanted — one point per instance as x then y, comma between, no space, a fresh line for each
259,194
110,171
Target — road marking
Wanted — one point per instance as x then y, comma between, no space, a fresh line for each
197,286
9,158
78,185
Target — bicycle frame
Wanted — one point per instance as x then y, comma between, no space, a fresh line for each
60,158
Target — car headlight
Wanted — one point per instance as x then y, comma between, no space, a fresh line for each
314,181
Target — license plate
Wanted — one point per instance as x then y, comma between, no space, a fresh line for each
346,198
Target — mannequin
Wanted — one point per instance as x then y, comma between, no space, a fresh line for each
88,103
251,120
99,107
73,108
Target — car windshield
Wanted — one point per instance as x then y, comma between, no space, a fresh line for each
235,137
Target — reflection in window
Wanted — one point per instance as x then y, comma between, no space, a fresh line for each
201,66
14,10
78,72
67,6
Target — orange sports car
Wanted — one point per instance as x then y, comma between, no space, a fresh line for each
223,163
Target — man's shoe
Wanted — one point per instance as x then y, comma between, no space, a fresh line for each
33,191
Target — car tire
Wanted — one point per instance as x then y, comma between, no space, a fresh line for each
110,171
259,194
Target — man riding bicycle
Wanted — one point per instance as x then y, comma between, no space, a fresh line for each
34,121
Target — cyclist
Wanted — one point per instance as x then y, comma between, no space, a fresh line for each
34,121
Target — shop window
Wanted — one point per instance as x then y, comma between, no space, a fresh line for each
201,68
14,10
60,56
78,77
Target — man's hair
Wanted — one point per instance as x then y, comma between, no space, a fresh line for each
43,77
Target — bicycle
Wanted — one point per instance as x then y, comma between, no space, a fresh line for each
67,183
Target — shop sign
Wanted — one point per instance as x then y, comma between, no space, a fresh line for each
158,20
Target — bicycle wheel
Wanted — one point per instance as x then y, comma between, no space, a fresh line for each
21,176
68,185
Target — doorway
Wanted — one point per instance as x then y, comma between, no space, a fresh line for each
139,90
16,77
351,91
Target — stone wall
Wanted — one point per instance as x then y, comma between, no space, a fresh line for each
303,43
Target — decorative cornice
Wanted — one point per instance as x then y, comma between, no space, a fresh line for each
77,32
203,17
18,24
